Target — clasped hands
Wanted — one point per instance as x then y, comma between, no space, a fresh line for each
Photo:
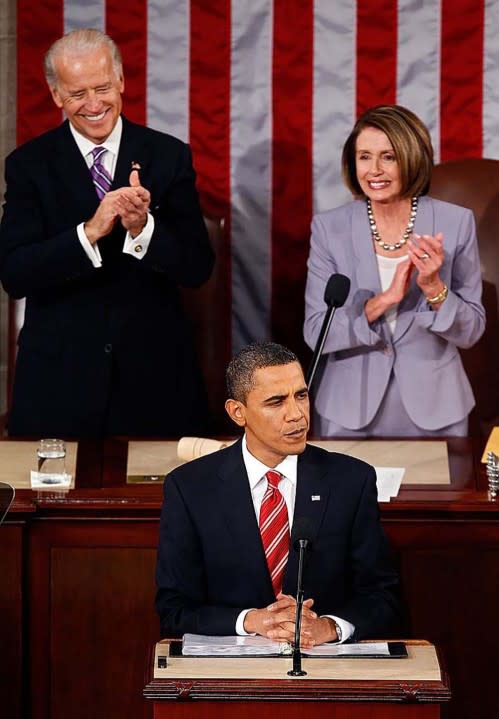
277,622
129,205
426,257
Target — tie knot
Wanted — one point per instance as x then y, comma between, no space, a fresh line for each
97,153
273,478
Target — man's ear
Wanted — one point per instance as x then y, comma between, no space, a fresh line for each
236,411
56,97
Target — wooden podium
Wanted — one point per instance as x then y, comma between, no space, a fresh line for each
244,688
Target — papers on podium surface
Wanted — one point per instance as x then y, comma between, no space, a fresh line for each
200,645
38,480
388,481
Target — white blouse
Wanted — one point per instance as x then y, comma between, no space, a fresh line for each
386,268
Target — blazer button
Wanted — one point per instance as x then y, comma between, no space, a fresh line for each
137,248
108,348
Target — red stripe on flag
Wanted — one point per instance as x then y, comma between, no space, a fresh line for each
127,25
209,130
291,166
461,79
376,80
38,26
209,110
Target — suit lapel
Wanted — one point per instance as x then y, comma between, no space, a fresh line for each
311,500
239,514
132,150
73,180
366,272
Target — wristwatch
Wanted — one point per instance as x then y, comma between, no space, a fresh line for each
339,633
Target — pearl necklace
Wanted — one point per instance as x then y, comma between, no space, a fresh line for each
407,232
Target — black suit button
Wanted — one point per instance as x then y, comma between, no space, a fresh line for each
108,348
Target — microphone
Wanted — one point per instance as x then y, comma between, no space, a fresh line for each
301,539
335,294
302,533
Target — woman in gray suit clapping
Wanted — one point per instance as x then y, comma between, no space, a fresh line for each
393,366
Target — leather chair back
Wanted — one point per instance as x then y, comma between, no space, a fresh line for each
209,311
474,183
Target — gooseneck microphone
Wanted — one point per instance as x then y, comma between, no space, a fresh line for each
335,294
301,539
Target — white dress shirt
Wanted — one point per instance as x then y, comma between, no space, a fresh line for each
288,468
135,246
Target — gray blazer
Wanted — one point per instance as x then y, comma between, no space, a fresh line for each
423,352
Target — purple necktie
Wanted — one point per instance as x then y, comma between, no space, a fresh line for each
100,176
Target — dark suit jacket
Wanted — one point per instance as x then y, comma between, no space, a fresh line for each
211,564
112,334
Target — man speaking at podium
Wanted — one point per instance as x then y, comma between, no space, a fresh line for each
225,563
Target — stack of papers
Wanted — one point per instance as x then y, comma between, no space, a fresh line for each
200,645
231,646
388,480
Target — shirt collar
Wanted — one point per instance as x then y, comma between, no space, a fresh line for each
256,469
112,143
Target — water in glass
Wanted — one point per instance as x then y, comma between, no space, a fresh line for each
51,461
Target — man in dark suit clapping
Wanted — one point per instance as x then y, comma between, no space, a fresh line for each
101,226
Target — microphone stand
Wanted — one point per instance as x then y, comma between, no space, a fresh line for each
297,671
320,345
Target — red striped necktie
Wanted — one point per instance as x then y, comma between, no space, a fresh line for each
274,528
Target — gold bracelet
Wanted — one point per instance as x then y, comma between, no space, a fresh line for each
440,297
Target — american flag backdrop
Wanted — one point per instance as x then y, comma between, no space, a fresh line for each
266,93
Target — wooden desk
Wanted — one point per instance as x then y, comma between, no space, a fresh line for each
249,687
80,568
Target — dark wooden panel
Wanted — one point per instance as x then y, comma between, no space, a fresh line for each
90,568
450,580
295,710
11,629
93,594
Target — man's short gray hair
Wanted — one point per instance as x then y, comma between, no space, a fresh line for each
77,42
258,355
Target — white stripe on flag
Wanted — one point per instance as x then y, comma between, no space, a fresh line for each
250,170
491,81
418,63
90,13
168,46
333,98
